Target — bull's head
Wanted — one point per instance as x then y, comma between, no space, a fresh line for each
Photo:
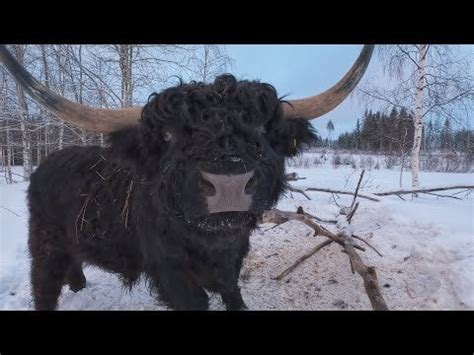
214,152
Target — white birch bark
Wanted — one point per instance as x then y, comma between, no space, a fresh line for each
125,62
8,165
25,137
61,136
417,119
46,113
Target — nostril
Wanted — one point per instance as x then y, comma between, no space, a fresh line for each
207,188
251,186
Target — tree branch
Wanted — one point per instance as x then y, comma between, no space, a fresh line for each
293,189
301,259
423,190
368,274
342,192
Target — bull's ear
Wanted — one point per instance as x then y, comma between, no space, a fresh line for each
292,136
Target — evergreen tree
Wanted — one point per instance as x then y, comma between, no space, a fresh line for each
330,128
357,135
446,138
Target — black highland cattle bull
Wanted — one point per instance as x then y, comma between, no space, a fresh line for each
177,192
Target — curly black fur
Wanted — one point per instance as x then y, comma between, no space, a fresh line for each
135,208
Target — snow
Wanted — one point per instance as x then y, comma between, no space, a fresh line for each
427,245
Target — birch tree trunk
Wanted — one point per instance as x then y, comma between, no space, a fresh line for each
61,136
125,62
38,148
8,158
25,137
3,163
81,93
62,89
205,67
417,119
46,113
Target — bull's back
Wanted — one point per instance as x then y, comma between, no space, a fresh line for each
56,185
78,205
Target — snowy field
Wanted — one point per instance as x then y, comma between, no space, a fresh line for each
427,246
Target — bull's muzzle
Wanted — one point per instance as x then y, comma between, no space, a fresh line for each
228,193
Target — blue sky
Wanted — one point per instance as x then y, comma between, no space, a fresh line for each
303,70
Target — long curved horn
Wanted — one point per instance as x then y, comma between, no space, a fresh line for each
315,106
91,119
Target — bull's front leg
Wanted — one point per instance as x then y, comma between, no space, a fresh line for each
178,290
230,293
227,286
233,300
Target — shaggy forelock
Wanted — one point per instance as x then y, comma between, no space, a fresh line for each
195,103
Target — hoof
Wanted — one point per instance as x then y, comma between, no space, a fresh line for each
77,285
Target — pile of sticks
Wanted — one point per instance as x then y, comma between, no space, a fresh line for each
343,237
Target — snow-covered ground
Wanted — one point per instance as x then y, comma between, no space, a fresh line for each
427,245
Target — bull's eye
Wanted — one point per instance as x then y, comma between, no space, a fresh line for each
167,136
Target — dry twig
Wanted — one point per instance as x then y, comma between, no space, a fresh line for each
302,258
423,190
439,195
125,209
293,189
367,243
6,209
367,273
279,217
343,193
343,236
357,189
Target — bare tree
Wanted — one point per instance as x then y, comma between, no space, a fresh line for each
208,62
6,149
46,114
97,75
429,79
126,63
402,144
135,71
19,52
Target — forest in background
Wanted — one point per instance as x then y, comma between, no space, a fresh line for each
105,76
419,115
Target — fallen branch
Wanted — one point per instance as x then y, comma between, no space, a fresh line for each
293,189
301,259
345,236
279,217
335,201
447,196
352,212
343,193
468,191
423,190
332,221
357,191
367,243
367,273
